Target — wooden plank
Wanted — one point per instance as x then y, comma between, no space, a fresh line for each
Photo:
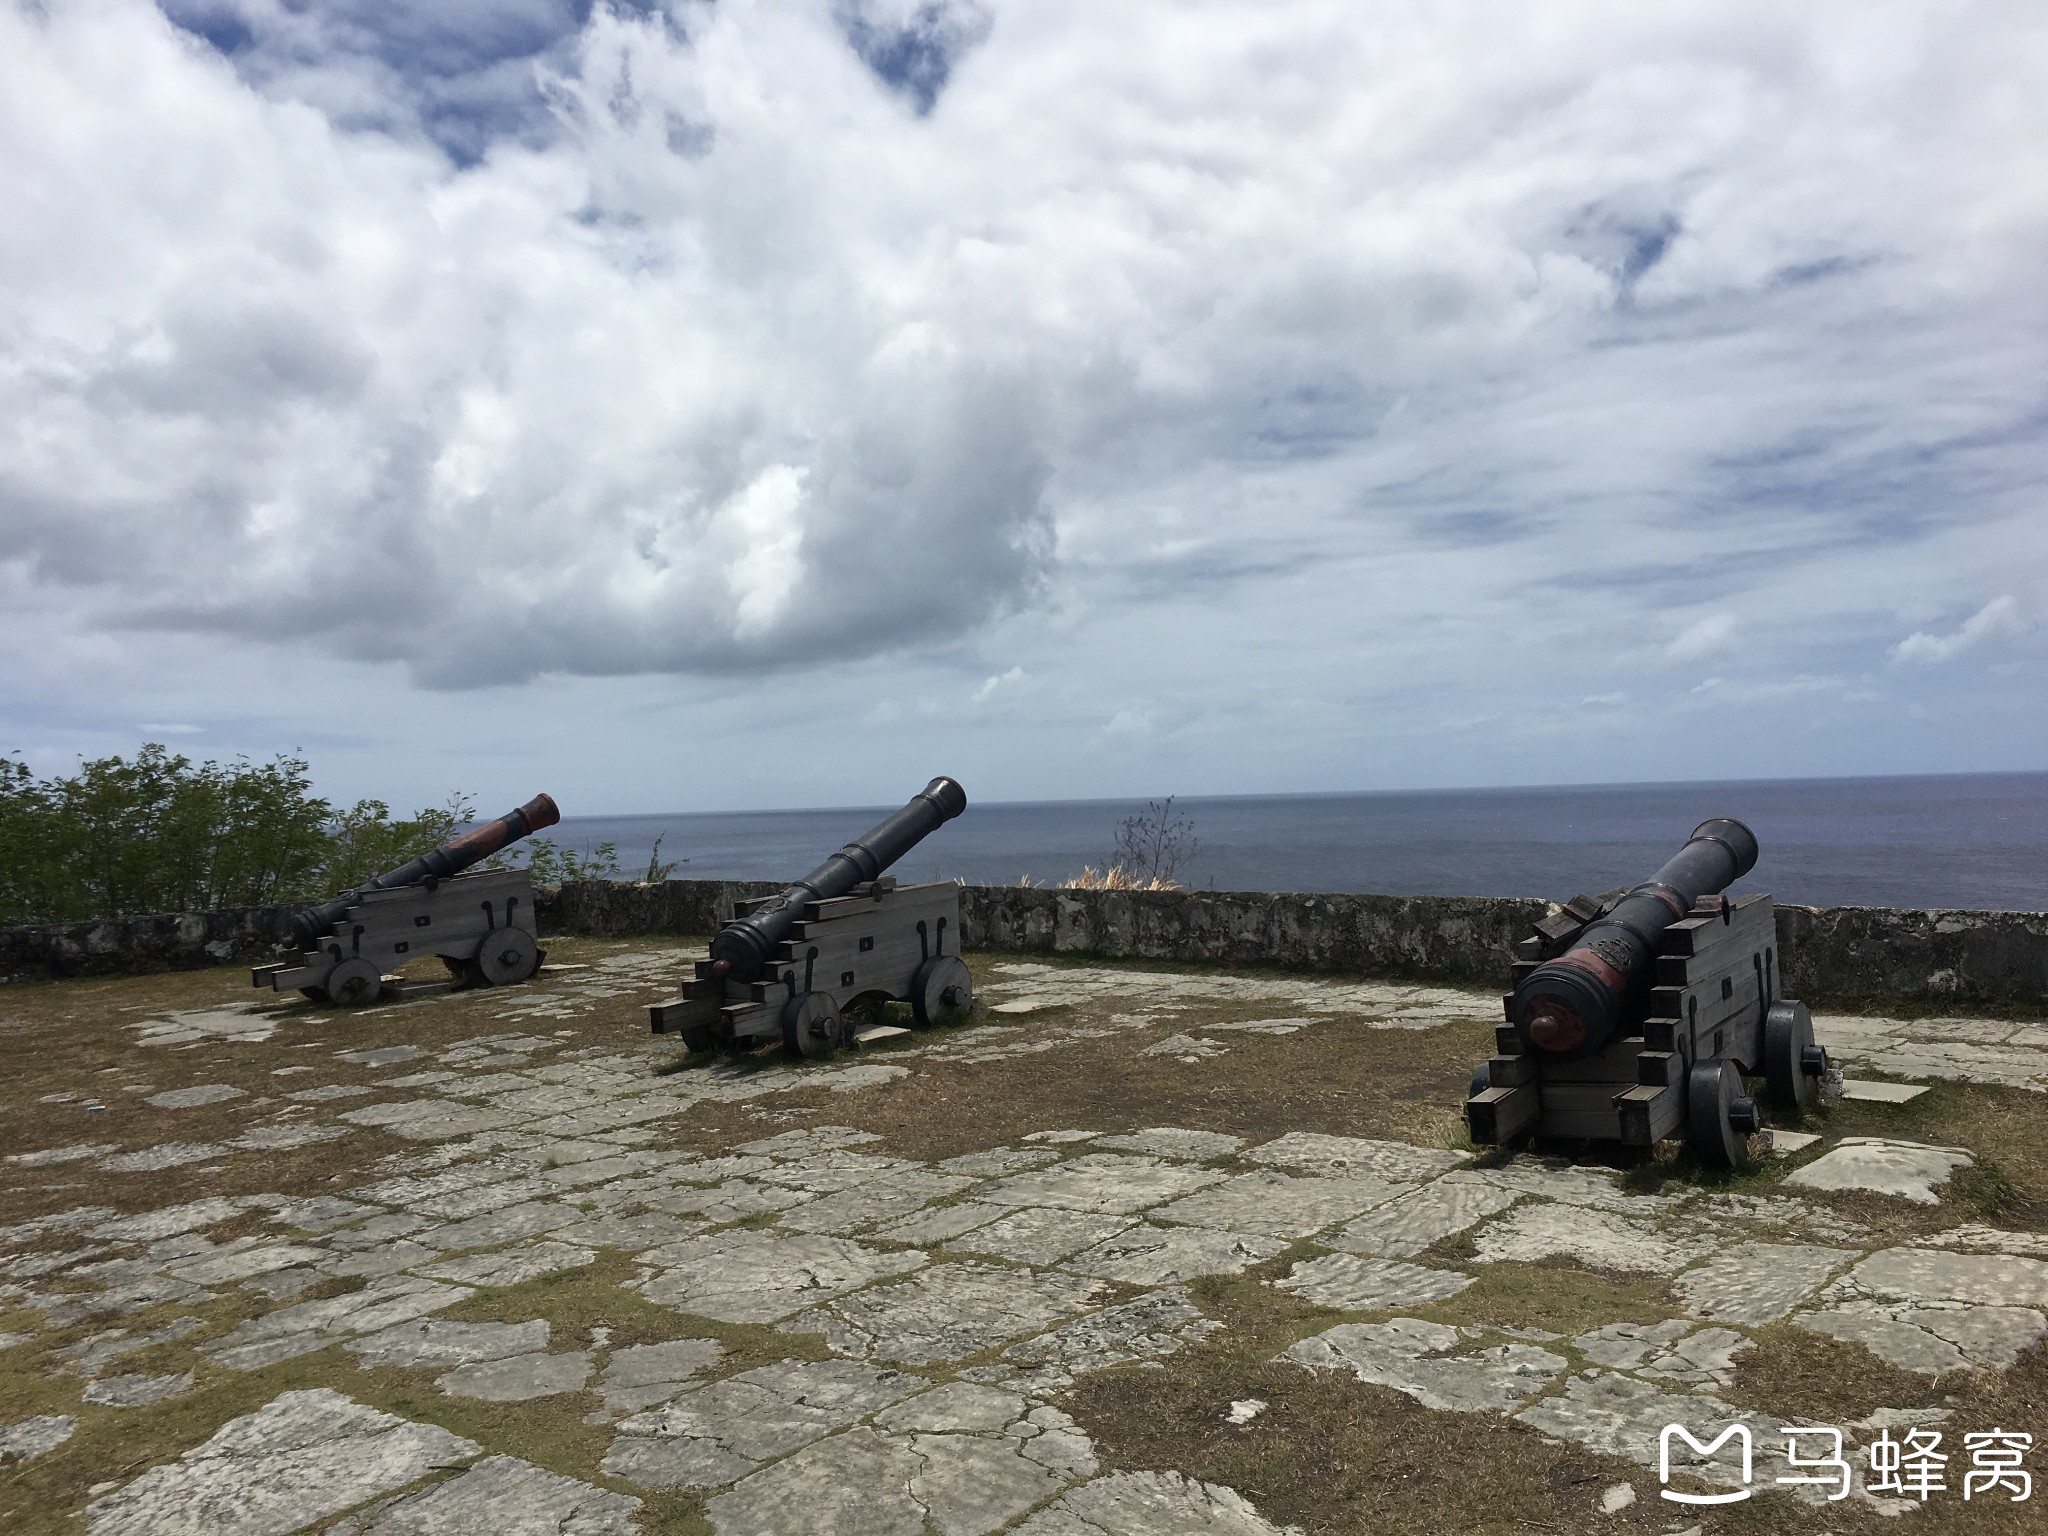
1499,1115
1648,1114
682,1013
1592,1124
1659,1069
1507,1041
1614,1064
1587,1107
1510,1071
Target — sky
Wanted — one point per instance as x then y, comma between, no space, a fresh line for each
679,406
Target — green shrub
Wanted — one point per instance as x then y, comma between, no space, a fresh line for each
159,833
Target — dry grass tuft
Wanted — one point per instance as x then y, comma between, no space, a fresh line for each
1116,878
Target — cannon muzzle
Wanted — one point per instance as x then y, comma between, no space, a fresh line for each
1577,1003
451,858
743,947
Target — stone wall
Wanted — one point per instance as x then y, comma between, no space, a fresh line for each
120,946
1833,955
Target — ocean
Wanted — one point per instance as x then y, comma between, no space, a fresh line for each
1971,841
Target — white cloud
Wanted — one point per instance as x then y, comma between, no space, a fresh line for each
1333,371
1998,620
1709,636
1002,680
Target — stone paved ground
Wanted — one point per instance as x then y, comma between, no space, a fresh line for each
1134,1252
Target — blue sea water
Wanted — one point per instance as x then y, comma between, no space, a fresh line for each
1972,841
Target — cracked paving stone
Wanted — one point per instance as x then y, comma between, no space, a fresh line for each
283,1138
641,1375
310,1325
1994,1239
295,1461
384,1259
936,1225
328,1092
518,1378
1150,1255
35,1437
433,1341
1411,1223
1919,1274
319,1213
760,1277
244,1263
1932,1339
283,1284
169,1154
192,1098
1311,1152
997,1161
1149,1328
507,1224
1591,1238
1038,1234
1575,1184
947,1312
1279,1204
502,1496
719,1433
510,1266
428,1119
1359,1284
382,1056
1172,1141
733,1200
1152,1504
1756,1283
1103,1182
867,1484
137,1391
828,1173
808,1142
890,1196
1908,1169
632,1234
1675,1349
958,1407
1410,1355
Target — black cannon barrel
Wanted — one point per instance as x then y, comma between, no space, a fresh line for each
1577,1003
451,858
743,946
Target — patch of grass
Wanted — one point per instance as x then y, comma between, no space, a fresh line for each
1558,1298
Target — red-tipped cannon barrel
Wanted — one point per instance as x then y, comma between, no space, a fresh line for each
1577,1003
451,858
744,945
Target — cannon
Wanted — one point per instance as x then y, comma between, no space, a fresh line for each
1637,1015
789,966
481,925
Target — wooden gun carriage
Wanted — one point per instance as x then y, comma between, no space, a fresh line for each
1692,1014
881,942
480,925
790,965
